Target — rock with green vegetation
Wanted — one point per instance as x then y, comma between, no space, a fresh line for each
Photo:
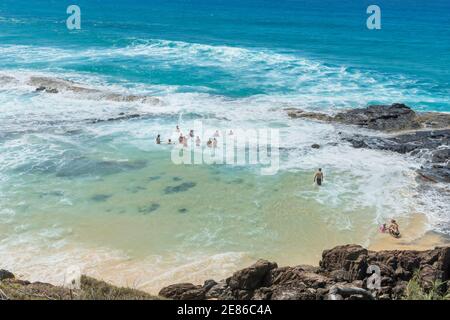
344,274
91,289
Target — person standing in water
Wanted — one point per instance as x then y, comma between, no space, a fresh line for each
158,139
318,177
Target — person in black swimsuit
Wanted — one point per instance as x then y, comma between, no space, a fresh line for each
318,177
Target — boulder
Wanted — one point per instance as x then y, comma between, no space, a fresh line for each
381,117
252,277
5,274
349,258
183,291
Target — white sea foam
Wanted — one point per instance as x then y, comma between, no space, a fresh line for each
380,181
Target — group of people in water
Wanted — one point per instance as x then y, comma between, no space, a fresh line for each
392,229
183,139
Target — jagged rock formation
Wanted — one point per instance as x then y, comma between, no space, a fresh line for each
391,118
429,138
342,274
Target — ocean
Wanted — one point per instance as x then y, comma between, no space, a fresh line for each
103,196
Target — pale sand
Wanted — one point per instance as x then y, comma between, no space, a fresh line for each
414,236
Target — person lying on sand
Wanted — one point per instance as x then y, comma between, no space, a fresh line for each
393,229
318,177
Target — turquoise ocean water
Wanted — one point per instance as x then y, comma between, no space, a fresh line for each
101,195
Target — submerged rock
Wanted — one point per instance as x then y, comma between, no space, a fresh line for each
55,85
101,197
150,208
179,188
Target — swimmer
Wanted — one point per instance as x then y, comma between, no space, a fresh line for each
393,229
318,177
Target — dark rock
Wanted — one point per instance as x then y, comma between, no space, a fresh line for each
100,197
432,146
441,155
209,284
5,274
252,277
46,89
297,113
262,294
342,275
399,289
183,291
121,117
381,117
377,117
220,291
293,293
349,258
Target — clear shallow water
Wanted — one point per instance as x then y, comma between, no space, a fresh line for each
75,192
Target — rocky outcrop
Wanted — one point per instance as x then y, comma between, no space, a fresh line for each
428,137
5,274
388,118
344,273
55,85
12,288
433,146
